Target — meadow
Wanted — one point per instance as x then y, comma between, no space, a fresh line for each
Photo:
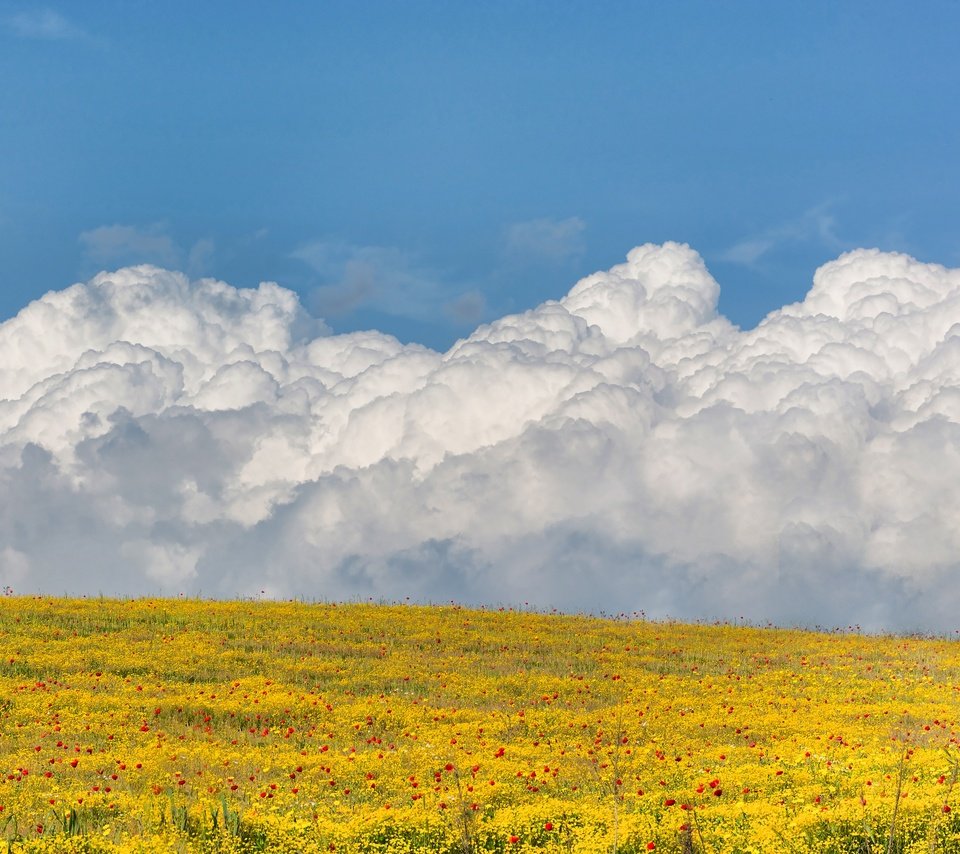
208,726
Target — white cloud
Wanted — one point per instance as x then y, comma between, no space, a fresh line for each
45,24
623,448
546,240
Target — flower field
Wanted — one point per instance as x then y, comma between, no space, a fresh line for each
158,725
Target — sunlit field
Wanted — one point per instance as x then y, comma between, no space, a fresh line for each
157,725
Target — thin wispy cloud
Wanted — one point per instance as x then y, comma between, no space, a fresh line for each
118,245
127,244
352,276
43,24
545,240
468,309
817,225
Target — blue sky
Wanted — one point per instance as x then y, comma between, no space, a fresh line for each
420,167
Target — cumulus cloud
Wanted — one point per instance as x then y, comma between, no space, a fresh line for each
622,448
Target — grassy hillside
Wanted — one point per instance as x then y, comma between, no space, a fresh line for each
156,725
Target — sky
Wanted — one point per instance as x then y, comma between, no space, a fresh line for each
420,167
643,307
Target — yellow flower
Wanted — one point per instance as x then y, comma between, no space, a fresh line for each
153,725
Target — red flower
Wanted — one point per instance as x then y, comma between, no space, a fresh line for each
548,826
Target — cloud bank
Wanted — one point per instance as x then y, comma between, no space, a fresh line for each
624,448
